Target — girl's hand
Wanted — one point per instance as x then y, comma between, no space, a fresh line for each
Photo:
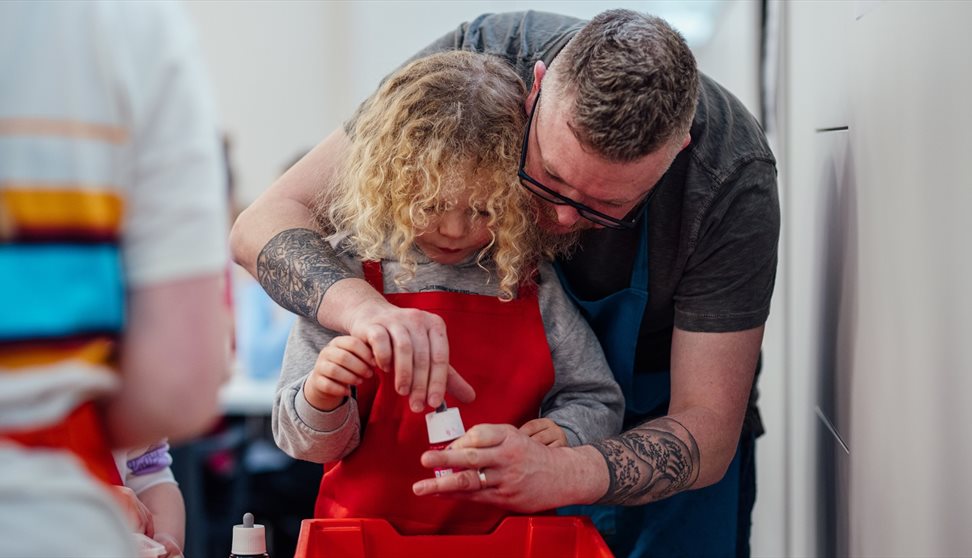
138,515
546,432
345,361
172,548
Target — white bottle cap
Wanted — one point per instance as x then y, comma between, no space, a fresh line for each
444,425
249,538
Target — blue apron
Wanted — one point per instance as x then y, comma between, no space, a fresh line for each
694,523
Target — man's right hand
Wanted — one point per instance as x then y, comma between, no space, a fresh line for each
412,344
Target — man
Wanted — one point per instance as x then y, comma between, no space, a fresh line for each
113,328
670,184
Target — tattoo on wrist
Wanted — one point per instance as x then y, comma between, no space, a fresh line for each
296,267
649,462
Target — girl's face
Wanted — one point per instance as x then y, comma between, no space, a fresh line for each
455,233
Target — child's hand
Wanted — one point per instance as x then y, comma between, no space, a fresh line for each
345,361
172,548
546,432
138,515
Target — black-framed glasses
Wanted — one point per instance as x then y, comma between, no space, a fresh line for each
548,195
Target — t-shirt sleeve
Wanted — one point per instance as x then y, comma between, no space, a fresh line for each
729,278
176,214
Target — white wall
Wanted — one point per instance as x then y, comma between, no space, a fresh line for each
911,388
274,80
876,267
288,72
814,97
731,54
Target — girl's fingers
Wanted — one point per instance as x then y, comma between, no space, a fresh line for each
358,348
345,359
533,426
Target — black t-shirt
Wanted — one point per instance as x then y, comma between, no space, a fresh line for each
714,217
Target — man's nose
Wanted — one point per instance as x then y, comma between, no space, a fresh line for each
566,215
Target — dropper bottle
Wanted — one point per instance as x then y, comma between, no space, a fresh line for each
249,539
444,426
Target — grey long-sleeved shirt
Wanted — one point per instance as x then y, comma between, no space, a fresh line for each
585,400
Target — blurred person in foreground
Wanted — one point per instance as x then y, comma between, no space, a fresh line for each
113,333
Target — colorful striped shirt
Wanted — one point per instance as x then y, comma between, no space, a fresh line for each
110,178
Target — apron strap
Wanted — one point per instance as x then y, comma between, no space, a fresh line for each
640,272
372,272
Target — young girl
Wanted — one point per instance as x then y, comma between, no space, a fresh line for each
429,208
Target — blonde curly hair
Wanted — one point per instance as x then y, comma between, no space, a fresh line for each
438,127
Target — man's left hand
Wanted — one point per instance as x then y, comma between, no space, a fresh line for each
508,468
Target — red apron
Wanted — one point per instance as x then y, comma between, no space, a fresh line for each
82,433
498,347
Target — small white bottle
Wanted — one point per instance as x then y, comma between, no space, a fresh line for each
444,426
249,539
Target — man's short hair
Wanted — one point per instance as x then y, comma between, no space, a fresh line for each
632,81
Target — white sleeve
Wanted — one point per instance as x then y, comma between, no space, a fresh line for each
143,481
176,222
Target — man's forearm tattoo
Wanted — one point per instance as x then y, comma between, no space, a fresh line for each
296,268
649,462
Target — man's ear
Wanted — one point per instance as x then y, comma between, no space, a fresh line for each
539,70
688,140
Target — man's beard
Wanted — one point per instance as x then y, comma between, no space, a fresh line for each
556,240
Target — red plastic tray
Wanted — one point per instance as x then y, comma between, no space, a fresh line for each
515,537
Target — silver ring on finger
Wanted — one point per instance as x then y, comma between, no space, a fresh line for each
482,479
